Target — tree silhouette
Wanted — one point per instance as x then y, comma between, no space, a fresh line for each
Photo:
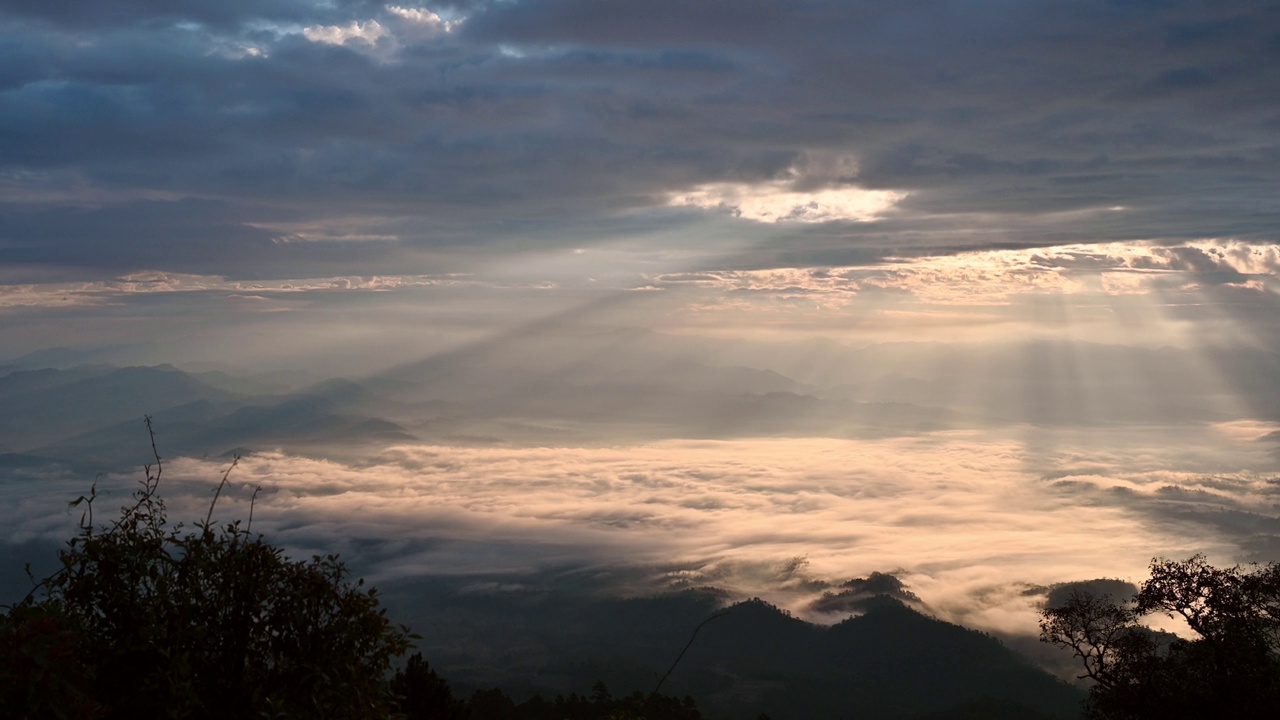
143,620
493,704
1230,669
423,695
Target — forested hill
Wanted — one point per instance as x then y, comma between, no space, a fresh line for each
888,662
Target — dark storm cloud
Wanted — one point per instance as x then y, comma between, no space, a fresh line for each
1005,123
127,236
163,12
189,235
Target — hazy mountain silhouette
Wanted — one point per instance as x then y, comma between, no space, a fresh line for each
20,382
91,415
531,390
47,407
634,391
58,357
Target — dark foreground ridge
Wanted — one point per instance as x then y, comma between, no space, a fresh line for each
890,661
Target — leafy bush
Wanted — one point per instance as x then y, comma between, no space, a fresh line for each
144,620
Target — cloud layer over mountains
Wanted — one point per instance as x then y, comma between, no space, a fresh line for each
675,475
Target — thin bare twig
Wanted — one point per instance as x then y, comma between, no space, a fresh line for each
687,645
154,452
149,484
209,516
252,501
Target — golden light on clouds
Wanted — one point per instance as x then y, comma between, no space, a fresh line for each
966,517
1116,292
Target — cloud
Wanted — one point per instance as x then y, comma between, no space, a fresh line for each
423,17
971,130
815,189
148,282
1118,293
971,522
775,202
405,27
112,13
368,33
1123,294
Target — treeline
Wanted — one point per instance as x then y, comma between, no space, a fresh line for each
421,694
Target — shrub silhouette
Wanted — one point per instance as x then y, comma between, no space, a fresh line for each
144,620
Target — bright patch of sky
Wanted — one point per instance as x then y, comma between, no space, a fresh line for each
814,190
777,202
368,32
414,24
422,16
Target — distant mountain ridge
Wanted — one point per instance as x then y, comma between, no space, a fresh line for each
92,415
524,390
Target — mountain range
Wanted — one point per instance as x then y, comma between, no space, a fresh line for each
885,660
613,392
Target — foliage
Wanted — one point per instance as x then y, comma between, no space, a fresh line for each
421,693
144,620
493,704
43,671
1232,667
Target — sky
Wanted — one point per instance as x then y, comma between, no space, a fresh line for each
757,294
